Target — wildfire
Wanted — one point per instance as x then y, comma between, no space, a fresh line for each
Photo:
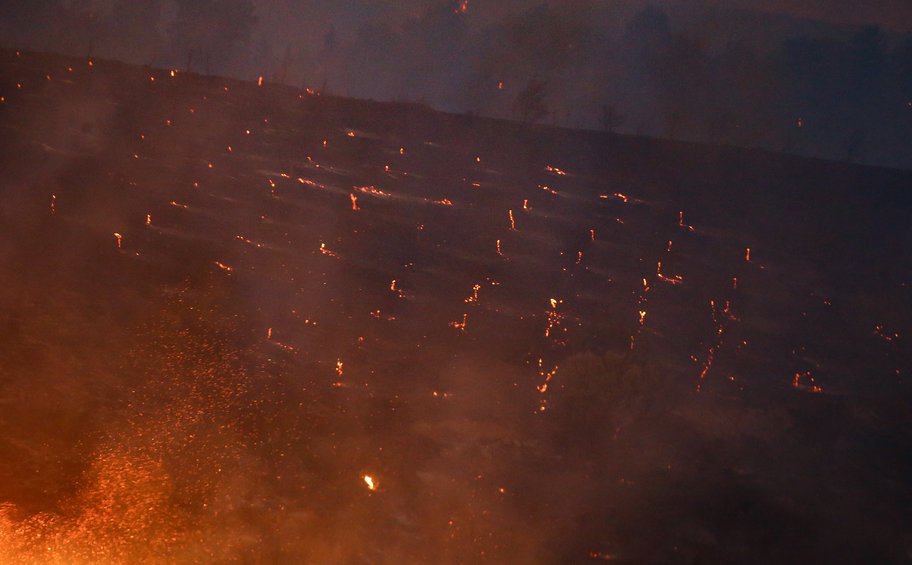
674,279
326,251
555,171
461,326
681,223
554,322
372,190
474,297
811,386
711,352
883,334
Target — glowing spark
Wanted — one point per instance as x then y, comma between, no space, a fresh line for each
642,317
260,81
747,255
512,221
369,481
339,365
354,201
53,204
148,219
119,239
499,252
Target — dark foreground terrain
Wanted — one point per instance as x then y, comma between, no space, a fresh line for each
248,324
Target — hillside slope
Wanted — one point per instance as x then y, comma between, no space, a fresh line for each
246,323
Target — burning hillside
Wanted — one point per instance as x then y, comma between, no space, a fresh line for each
243,322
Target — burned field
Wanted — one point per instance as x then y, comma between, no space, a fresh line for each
247,323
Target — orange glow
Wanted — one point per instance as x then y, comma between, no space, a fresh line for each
354,201
223,266
512,221
370,482
119,239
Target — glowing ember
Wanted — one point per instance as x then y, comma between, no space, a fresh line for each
369,481
119,238
354,201
555,170
461,326
326,251
512,221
